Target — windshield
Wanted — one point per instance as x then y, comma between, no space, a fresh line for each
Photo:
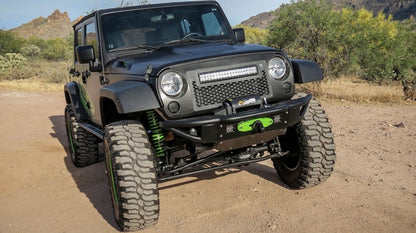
155,27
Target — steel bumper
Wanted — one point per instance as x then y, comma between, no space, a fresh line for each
220,128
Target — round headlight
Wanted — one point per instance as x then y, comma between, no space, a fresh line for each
171,83
277,68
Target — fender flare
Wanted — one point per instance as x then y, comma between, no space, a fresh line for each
130,96
306,71
73,97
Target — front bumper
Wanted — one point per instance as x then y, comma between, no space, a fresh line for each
223,130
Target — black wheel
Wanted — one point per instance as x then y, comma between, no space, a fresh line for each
83,145
312,150
131,175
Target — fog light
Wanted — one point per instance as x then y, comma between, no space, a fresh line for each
174,107
193,132
287,87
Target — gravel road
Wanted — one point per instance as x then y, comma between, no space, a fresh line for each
373,187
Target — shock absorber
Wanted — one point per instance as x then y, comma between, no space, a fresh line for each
156,134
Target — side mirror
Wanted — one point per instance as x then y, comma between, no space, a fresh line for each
239,35
85,54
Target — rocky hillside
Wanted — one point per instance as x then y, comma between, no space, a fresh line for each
262,20
56,25
400,9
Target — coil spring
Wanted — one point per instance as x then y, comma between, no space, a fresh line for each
156,133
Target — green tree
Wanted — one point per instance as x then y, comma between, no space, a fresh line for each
301,28
9,43
40,43
405,52
345,42
57,49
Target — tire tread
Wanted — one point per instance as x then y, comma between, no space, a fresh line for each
133,168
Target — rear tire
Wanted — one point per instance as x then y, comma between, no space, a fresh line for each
83,145
131,175
311,147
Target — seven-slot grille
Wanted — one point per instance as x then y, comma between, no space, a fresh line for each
216,93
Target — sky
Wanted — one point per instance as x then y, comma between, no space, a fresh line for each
14,13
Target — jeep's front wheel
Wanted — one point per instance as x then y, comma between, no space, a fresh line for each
131,175
83,145
311,147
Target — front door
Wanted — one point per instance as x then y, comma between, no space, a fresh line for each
89,79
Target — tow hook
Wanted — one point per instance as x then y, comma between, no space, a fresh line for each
258,127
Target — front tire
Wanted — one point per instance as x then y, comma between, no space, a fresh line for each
83,145
131,175
311,147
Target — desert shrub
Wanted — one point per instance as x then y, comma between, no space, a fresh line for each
345,42
12,61
36,69
13,66
9,42
301,30
57,72
57,50
30,50
40,43
4,64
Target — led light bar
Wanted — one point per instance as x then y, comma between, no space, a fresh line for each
227,74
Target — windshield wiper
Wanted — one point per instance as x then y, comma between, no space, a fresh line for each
185,40
146,47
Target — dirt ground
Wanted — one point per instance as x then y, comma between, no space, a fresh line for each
373,187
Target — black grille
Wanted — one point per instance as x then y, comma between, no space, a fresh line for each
217,93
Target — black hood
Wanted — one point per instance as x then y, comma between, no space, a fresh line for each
171,55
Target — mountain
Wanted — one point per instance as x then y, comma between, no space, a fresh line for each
262,20
56,25
399,9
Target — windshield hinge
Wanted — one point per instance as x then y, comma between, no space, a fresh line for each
148,73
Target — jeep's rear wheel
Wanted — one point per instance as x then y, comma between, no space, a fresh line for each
83,145
131,175
311,147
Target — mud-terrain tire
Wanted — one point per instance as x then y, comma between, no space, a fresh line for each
83,145
311,147
131,175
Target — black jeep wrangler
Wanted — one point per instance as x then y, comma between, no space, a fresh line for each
160,84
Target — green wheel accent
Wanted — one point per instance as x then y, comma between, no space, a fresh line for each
85,100
131,175
247,126
110,168
83,145
71,143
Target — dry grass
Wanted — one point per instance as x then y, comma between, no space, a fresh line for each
37,75
355,90
38,69
31,84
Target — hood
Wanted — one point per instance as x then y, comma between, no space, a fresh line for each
171,55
